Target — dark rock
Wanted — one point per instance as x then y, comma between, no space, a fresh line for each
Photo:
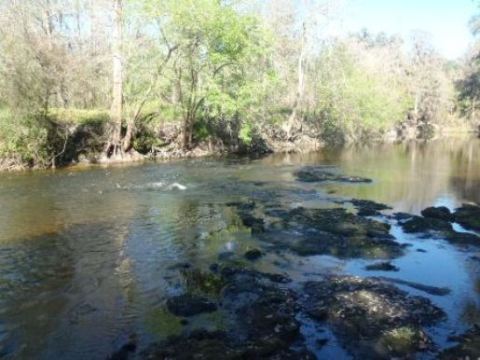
125,352
188,305
462,238
321,342
373,319
431,290
441,213
468,216
257,225
418,224
202,344
382,266
253,254
214,267
245,212
438,220
229,272
368,208
320,174
421,250
468,346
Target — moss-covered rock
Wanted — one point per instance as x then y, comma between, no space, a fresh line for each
418,224
322,174
468,216
372,318
468,346
339,233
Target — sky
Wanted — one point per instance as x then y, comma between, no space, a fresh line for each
446,20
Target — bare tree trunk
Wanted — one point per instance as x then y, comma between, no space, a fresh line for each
472,113
293,119
187,132
117,91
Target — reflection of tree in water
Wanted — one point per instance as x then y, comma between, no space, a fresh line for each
59,286
414,175
33,278
466,178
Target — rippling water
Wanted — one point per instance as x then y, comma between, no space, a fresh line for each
88,257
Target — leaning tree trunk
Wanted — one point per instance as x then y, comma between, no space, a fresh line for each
115,146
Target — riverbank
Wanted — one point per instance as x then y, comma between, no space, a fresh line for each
81,142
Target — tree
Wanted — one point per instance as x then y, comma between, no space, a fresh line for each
214,45
114,146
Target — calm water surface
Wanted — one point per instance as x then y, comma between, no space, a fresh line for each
88,257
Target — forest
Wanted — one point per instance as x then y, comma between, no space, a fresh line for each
105,81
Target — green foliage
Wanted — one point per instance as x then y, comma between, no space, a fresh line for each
215,46
22,140
354,101
215,69
201,130
245,134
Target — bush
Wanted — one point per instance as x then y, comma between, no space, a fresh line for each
23,140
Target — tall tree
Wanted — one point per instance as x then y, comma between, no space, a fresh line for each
116,112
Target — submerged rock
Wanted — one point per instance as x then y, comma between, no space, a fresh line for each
468,216
264,318
468,346
253,254
125,352
339,233
254,223
321,174
382,266
203,344
188,305
246,213
373,319
208,282
321,342
441,213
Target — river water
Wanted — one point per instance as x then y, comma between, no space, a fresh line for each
89,256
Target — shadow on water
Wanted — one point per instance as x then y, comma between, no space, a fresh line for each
88,259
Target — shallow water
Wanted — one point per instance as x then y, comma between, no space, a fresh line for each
88,257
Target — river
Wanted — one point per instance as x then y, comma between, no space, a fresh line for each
88,257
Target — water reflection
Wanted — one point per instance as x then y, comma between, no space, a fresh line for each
410,176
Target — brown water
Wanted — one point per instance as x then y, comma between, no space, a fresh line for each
87,257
